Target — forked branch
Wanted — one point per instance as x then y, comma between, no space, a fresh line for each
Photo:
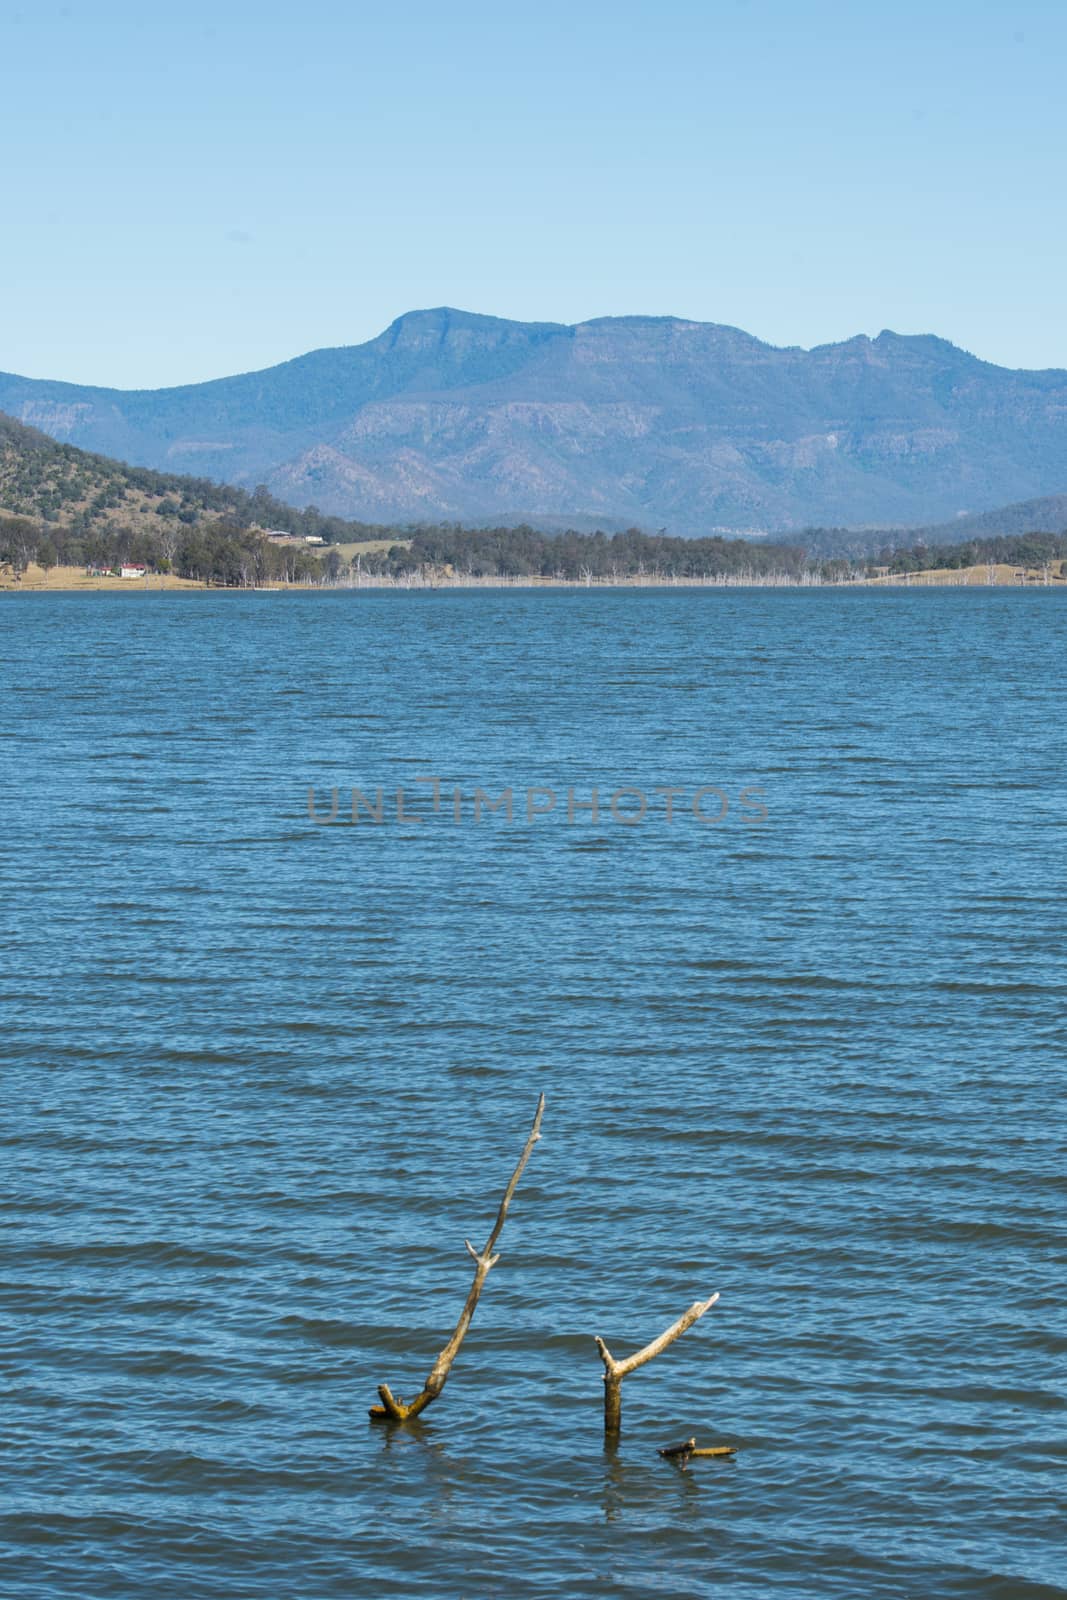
484,1260
616,1371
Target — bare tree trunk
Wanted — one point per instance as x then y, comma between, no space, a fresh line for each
616,1371
392,1407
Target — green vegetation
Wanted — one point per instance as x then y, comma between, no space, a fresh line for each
982,532
60,484
67,507
523,552
215,552
60,506
1020,550
72,508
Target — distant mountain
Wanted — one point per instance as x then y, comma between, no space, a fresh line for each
645,420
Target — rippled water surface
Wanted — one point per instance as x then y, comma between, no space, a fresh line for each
261,1075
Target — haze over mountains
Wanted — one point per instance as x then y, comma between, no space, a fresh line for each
653,421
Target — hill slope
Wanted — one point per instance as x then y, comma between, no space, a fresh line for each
81,492
64,508
61,505
633,420
1046,515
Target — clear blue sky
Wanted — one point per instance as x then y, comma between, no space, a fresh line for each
191,190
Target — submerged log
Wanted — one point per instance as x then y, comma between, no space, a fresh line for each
392,1407
616,1371
679,1452
685,1452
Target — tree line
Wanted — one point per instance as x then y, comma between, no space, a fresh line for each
68,506
218,552
524,552
1018,550
225,553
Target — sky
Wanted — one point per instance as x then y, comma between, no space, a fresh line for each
195,190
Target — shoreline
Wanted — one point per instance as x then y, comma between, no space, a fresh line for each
70,580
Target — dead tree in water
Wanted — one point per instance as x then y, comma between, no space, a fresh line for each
396,1410
616,1371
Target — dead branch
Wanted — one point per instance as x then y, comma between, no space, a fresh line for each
685,1452
616,1371
394,1408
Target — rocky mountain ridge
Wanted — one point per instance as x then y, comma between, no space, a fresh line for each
652,421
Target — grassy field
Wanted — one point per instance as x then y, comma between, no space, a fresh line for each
1003,576
35,578
365,547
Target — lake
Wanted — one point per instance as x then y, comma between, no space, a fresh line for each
263,1074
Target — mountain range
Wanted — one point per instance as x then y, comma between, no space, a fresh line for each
651,421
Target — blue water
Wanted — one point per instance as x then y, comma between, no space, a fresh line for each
262,1075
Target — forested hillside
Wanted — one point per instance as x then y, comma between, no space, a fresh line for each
60,506
77,489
